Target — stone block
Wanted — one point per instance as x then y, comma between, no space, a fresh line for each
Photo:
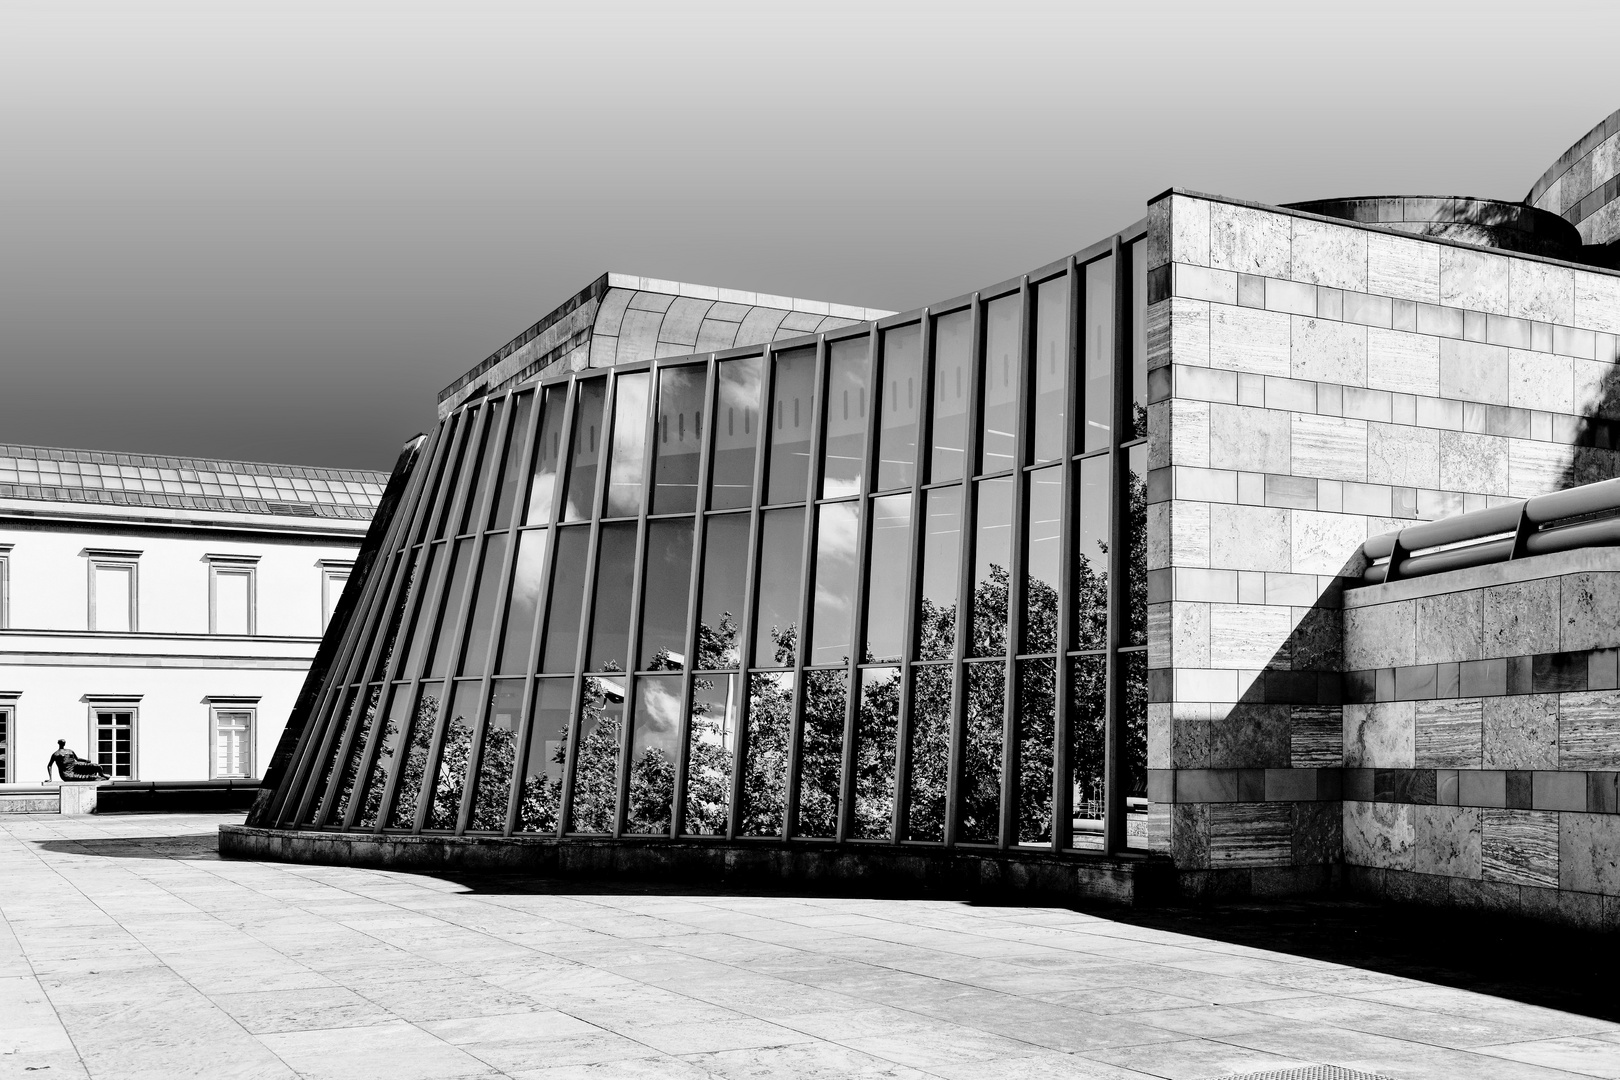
1482,788
1449,627
1541,292
1249,538
1558,791
1473,371
1535,468
1403,456
1587,604
1189,435
1448,840
1382,835
1379,735
1331,255
1250,241
1397,360
78,799
1473,463
1589,853
1189,634
1402,268
1448,734
1202,283
1540,380
1328,351
1521,618
1519,847
1324,543
1251,636
1328,447
1380,635
1589,730
1474,280
1248,339
1597,301
1315,736
1318,833
1188,526
1250,834
1189,333
1521,732
1247,439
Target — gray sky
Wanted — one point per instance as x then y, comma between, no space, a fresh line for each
275,230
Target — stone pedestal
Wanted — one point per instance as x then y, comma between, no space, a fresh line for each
79,798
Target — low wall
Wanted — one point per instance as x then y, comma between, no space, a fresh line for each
1024,876
1482,738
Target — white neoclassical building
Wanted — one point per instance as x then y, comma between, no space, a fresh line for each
159,613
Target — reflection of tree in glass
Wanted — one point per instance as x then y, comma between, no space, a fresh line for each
821,758
409,785
770,710
708,766
351,768
874,756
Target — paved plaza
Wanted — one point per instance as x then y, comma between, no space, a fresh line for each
129,949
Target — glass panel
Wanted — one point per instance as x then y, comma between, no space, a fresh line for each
481,627
1091,557
764,786
1001,328
567,598
897,407
596,770
1051,367
1043,558
480,476
709,753
844,447
837,538
981,758
409,785
628,469
461,564
1099,358
453,481
586,448
1139,297
332,746
736,433
421,634
791,408
942,561
669,586
654,751
886,590
679,437
1088,709
953,352
541,798
1037,719
399,711
517,639
1136,550
929,751
1133,749
725,558
547,455
992,554
351,769
610,617
397,616
498,757
512,468
451,780
821,760
781,567
875,728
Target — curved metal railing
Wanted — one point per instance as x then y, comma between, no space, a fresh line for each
1586,516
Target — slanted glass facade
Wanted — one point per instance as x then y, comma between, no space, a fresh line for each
884,585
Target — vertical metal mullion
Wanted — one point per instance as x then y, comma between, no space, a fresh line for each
745,632
694,585
425,498
1118,565
1007,834
475,752
864,503
462,612
908,634
638,585
541,609
807,588
447,499
1063,721
359,630
964,576
587,606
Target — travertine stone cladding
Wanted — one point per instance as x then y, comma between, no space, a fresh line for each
1312,383
1584,184
1481,736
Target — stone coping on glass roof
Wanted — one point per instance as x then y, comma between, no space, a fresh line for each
621,318
107,478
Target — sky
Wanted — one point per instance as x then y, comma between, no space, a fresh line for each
273,231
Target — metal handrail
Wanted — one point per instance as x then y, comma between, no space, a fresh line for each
1559,521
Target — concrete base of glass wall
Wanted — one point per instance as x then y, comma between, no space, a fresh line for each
1016,876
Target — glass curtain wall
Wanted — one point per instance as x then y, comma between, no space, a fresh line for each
883,586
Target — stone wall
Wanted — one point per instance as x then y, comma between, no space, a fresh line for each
1584,183
1315,382
1482,736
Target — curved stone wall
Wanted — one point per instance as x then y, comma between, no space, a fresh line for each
1488,223
1583,184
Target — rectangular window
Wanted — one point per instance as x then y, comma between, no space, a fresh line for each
897,407
953,351
115,741
736,433
1002,325
334,575
791,404
629,446
8,729
113,590
1051,364
1099,358
844,437
231,595
678,438
233,743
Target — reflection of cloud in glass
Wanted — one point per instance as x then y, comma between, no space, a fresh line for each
660,705
836,537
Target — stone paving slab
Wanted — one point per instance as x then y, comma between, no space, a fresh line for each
128,949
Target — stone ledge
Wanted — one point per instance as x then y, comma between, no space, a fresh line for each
1023,876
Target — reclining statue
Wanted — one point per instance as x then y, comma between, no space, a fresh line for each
69,766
